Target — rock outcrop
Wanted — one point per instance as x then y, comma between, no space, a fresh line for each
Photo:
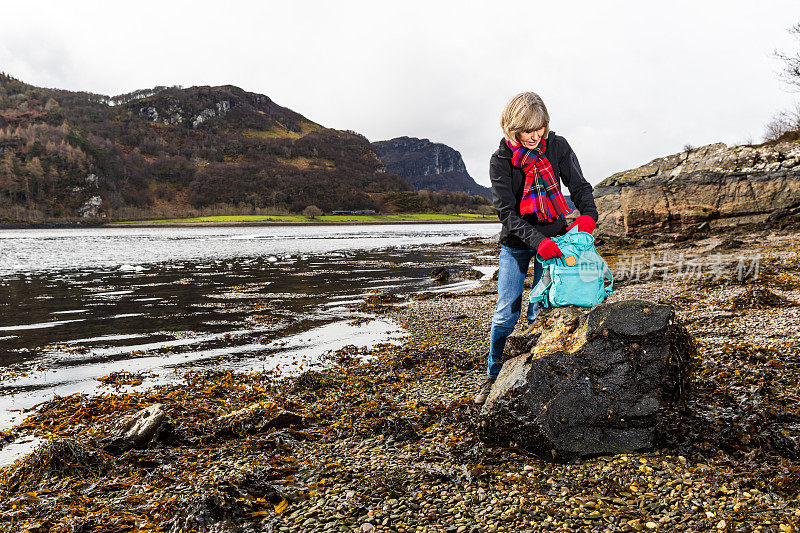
586,383
428,165
715,183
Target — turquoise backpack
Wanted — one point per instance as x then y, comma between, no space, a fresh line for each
583,283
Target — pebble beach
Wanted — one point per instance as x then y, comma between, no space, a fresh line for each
385,439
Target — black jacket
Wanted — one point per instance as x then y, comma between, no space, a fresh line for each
524,231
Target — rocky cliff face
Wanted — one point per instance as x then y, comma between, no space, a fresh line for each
714,183
428,165
227,107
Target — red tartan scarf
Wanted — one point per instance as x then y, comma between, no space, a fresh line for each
542,193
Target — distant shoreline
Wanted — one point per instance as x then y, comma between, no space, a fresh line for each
289,223
227,223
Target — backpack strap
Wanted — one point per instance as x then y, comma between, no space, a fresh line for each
541,292
607,275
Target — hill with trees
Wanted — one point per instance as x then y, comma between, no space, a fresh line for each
173,151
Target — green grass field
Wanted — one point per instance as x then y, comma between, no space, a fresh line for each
323,218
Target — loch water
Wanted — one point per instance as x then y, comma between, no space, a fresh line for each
79,304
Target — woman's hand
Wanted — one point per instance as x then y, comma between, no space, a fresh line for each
584,223
548,250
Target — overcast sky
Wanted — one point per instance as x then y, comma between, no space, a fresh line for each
624,81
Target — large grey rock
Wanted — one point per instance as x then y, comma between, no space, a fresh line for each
589,382
726,186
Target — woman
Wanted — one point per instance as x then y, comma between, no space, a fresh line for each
526,172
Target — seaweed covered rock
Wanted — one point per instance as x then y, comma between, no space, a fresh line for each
53,459
760,298
588,382
440,274
256,418
469,273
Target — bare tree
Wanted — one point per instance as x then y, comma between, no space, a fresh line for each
782,123
312,212
791,70
785,122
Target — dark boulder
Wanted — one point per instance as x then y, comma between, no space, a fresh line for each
469,273
783,217
777,215
440,274
586,382
730,243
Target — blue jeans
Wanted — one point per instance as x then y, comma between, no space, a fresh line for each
511,274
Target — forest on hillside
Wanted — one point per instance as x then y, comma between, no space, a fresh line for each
170,151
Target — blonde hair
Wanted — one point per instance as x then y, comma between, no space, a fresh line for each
524,112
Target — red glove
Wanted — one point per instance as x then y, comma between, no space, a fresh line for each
585,223
548,250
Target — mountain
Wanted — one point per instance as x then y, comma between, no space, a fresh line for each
717,184
173,151
428,165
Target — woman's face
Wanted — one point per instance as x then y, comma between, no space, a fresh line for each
530,139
